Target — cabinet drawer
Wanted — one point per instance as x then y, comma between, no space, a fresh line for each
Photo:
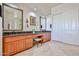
14,38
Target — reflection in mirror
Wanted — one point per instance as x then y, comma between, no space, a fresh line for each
12,18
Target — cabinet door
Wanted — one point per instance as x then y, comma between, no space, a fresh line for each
44,37
48,36
14,47
19,45
7,48
29,43
22,43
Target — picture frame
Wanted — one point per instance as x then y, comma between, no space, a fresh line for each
32,20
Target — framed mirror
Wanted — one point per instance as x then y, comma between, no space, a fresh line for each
12,18
42,23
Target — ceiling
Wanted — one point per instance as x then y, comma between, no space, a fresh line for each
40,8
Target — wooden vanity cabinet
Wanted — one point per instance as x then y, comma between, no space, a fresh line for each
18,43
46,37
13,45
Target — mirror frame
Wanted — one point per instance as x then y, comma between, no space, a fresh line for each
3,4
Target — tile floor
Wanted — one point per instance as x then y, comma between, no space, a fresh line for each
51,48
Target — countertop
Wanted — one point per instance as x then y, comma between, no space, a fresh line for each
6,34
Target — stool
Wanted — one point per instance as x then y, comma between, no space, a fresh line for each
38,40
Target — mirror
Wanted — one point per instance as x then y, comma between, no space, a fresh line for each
12,18
42,23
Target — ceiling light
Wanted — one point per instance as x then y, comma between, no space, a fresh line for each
35,9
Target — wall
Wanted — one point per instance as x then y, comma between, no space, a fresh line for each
29,11
30,27
66,23
26,13
48,22
0,36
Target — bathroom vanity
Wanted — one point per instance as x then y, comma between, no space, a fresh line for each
15,42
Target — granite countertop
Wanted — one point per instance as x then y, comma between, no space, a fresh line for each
22,33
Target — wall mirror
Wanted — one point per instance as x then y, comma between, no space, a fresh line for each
42,23
12,18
